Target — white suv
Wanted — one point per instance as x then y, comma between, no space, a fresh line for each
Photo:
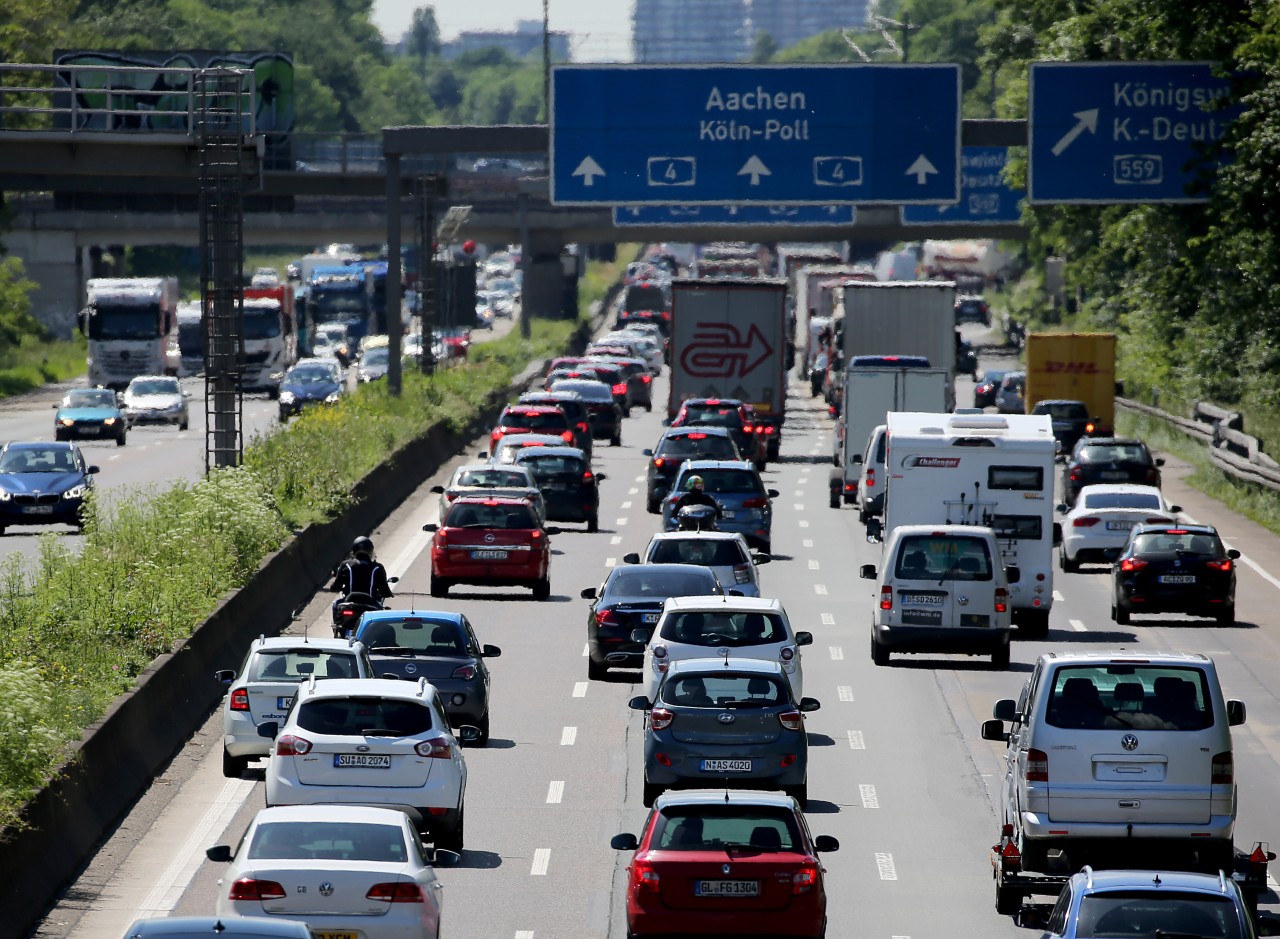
746,627
372,742
1109,752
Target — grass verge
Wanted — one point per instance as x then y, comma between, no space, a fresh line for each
33,363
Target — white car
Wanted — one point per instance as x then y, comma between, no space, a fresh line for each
344,870
642,346
375,741
746,627
1097,527
725,552
263,688
505,452
374,364
510,479
217,927
156,399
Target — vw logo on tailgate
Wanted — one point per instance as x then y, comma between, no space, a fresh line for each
326,889
1129,742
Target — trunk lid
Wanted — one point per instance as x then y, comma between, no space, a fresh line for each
350,885
724,880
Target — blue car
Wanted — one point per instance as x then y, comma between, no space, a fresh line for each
90,413
43,484
745,504
309,382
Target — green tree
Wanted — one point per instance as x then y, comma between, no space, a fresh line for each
424,37
764,48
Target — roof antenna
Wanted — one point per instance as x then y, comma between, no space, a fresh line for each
297,615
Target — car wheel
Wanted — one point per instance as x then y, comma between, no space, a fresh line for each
1227,615
452,840
542,589
185,425
649,794
648,408
1068,566
800,793
1000,658
483,725
762,465
596,671
284,418
616,440
879,653
233,767
120,440
834,500
59,435
652,506
1120,614
439,586
593,522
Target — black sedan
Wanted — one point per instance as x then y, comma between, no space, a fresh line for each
1175,569
574,409
1070,421
1108,460
606,416
569,489
984,392
629,603
677,445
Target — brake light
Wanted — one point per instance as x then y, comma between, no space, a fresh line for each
748,429
1002,600
465,672
1132,564
806,878
582,426
1224,565
450,496
886,597
869,477
607,618
759,503
246,888
696,436
535,535
240,699
1152,475
1037,766
398,892
437,748
289,745
620,388
791,720
659,462
646,378
1176,531
645,875
1086,522
660,719
567,436
1223,769
1075,474
494,437
742,573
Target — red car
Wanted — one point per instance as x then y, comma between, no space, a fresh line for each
726,863
496,542
531,419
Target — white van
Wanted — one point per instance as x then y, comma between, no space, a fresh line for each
872,482
943,588
1119,757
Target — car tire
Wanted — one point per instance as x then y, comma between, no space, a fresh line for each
483,725
59,436
593,522
452,840
233,767
596,671
761,465
1227,615
616,440
542,589
800,793
439,586
879,653
1120,614
1068,566
649,794
1000,658
648,409
185,425
653,506
834,500
120,440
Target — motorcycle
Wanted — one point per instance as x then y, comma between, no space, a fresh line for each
347,613
696,518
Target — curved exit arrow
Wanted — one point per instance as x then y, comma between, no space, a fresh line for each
1085,120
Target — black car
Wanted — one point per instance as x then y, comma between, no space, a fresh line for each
966,358
631,599
984,392
1175,569
1108,460
575,409
569,488
606,416
1070,421
970,309
440,647
614,377
677,445
728,413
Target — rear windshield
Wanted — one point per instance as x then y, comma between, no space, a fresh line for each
417,634
328,841
729,630
1172,544
1114,697
501,515
724,691
1113,453
889,361
1064,412
644,298
300,664
553,465
1121,500
369,717
717,827
943,557
593,391
705,551
492,478
729,480
1147,913
694,583
698,446
711,416
535,420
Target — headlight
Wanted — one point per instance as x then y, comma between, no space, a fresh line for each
287,397
75,492
5,495
109,421
66,421
332,398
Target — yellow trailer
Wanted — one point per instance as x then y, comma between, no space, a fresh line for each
1074,366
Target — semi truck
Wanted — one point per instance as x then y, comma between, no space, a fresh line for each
339,293
729,340
814,296
1075,367
190,339
270,337
129,322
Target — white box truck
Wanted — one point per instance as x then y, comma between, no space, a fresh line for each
900,318
991,470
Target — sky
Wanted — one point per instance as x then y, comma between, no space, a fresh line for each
601,28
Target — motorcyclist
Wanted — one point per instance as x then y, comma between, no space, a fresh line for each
360,573
694,495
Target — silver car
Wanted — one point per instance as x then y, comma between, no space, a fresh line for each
509,479
156,399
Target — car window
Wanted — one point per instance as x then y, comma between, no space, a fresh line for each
1064,411
727,481
328,841
369,717
718,552
38,460
415,634
1145,913
724,691
1173,543
1118,696
943,557
729,630
553,465
697,446
492,477
1121,500
629,583
300,664
534,420
485,515
699,828
309,376
1113,453
158,386
592,391
91,398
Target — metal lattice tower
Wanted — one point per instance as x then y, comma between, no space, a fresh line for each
220,136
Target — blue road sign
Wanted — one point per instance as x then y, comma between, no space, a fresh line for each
755,134
729,215
1122,131
985,198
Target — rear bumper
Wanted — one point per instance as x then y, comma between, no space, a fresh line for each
957,639
1038,827
650,917
686,759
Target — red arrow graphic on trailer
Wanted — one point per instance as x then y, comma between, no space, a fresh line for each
719,350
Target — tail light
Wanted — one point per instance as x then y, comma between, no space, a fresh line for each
494,437
742,573
1224,565
399,892
646,876
769,428
1223,769
1038,766
588,478
437,748
465,672
567,436
748,429
1152,475
240,699
583,427
806,878
347,613
659,462
791,720
1089,428
620,388
450,496
869,477
1075,474
607,618
755,503
1002,600
646,378
660,719
886,597
289,745
1132,564
246,888
1086,522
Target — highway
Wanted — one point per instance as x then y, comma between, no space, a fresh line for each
898,771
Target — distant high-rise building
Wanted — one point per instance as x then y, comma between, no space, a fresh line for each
789,21
524,40
690,31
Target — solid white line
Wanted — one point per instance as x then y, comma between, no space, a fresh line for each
855,740
621,521
555,792
804,523
820,589
845,692
568,736
1058,597
616,539
814,565
541,861
884,863
580,689
868,795
837,653
625,505
828,619
1078,626
610,562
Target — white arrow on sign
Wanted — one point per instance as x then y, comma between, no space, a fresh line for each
921,169
1085,120
755,169
589,169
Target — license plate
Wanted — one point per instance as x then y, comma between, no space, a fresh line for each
38,509
284,702
362,760
334,935
1120,526
87,431
1177,578
488,555
649,618
726,766
1113,474
726,888
727,513
921,599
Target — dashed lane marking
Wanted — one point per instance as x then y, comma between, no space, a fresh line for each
820,589
804,523
610,562
555,792
625,505
808,543
814,565
580,689
884,863
621,521
1078,626
845,692
837,653
1058,597
616,539
633,491
828,619
799,506
568,736
639,479
542,860
855,740
524,934
869,798
799,493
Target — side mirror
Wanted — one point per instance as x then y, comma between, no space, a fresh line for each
1013,574
443,857
553,530
994,730
1175,509
759,559
431,526
867,571
631,558
56,406
666,422
624,842
92,471
1159,461
225,675
804,638
393,580
219,852
1062,508
438,489
825,844
1235,712
490,652
269,729
1233,554
588,593
771,493
639,703
875,530
810,704
468,733
641,635
1006,709
646,452
856,458
601,477
1057,534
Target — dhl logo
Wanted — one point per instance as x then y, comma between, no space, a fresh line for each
1071,368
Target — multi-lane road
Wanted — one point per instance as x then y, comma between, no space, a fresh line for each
898,771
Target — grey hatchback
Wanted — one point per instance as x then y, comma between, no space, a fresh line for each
725,722
745,505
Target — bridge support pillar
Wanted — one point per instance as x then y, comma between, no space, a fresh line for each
548,292
53,263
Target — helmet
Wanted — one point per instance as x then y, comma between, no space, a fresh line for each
362,545
694,482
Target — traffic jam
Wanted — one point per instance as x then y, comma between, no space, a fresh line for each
815,467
